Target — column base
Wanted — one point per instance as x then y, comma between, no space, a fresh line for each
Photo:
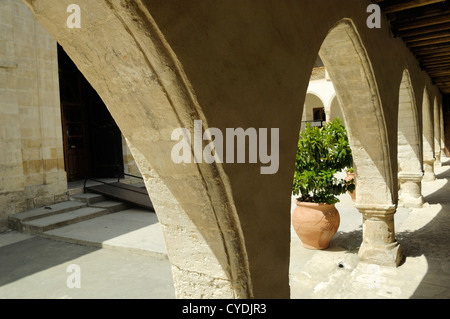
437,162
428,167
410,192
379,245
384,255
411,202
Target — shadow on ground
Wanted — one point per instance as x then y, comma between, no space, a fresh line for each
432,241
34,255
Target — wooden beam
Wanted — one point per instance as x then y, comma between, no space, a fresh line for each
429,42
441,62
436,65
425,30
432,54
445,74
401,5
427,36
436,48
422,12
420,23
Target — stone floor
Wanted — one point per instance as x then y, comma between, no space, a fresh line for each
122,255
424,235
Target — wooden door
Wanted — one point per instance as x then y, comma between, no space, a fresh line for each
75,140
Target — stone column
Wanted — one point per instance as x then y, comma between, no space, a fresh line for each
428,167
379,245
441,114
410,193
327,114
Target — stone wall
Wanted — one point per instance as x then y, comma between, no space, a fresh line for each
31,153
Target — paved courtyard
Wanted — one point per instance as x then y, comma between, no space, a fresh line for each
122,255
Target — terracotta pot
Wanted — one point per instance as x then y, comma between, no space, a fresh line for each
349,177
315,224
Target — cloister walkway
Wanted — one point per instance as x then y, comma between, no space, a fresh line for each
423,233
332,273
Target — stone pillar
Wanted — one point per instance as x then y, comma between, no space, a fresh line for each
328,114
442,128
410,193
379,245
428,168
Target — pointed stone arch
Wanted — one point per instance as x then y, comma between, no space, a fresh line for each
437,131
409,153
349,67
312,101
141,81
335,109
428,138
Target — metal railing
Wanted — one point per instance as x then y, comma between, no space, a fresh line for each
318,123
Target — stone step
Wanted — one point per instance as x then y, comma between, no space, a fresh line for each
88,198
55,221
15,221
111,205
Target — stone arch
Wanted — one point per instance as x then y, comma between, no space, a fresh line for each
312,101
335,109
409,153
349,67
437,131
428,138
141,81
350,70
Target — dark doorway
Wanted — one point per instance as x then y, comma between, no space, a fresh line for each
319,114
92,140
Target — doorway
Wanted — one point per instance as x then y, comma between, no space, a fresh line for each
92,140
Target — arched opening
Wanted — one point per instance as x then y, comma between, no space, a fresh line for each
144,87
409,151
350,70
335,110
313,111
428,138
437,132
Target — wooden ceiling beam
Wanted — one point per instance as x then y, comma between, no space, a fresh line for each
427,36
422,12
401,5
433,56
423,31
445,74
442,61
436,65
442,40
436,48
426,22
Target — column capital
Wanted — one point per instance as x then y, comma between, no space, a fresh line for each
411,176
377,210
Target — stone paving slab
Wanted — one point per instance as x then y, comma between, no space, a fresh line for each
38,268
54,221
333,273
47,211
133,229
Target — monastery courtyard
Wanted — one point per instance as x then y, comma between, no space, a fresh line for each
124,256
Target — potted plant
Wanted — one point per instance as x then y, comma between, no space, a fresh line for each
321,153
